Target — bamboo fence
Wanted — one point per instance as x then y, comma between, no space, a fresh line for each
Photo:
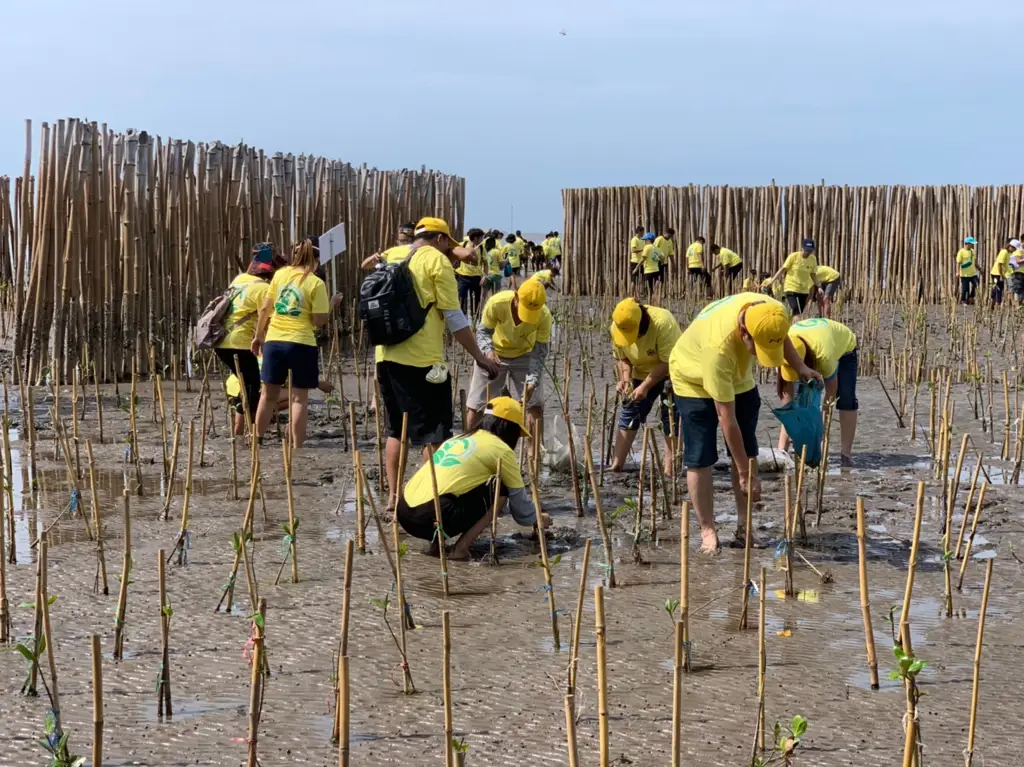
112,249
889,242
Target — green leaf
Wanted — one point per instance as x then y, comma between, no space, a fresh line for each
51,599
42,645
49,723
799,726
916,666
258,620
168,610
79,761
895,675
284,526
26,652
296,527
236,542
556,560
28,605
777,732
403,549
898,652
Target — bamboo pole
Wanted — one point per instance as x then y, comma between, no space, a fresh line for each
747,583
446,677
163,685
97,702
865,601
602,674
969,754
126,568
904,626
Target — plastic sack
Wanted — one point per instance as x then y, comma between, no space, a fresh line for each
802,419
555,450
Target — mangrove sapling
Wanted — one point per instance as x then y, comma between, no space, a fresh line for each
384,605
460,748
228,592
126,569
762,665
909,668
574,646
259,667
171,472
748,584
684,583
163,679
181,544
970,538
101,561
967,506
903,629
969,753
786,741
360,500
609,559
546,564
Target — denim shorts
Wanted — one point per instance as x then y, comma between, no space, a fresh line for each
634,413
700,427
846,396
797,302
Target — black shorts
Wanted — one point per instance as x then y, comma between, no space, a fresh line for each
405,389
634,414
250,368
797,302
733,271
458,512
846,395
283,357
830,289
700,427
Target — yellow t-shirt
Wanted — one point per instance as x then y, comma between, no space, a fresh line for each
511,252
968,267
494,261
245,309
651,257
512,340
391,256
434,278
798,272
748,283
710,360
555,243
472,270
695,256
776,289
544,277
666,246
827,274
1001,267
828,340
729,258
296,299
636,249
654,346
462,464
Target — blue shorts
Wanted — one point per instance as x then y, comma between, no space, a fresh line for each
283,357
634,414
700,427
846,396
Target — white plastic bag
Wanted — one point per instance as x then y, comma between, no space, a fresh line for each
556,446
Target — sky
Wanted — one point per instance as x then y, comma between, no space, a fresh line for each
656,92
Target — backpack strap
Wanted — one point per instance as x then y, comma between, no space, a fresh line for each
412,252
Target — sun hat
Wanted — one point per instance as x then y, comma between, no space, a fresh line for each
1015,244
532,298
626,322
970,241
649,236
434,225
768,324
507,409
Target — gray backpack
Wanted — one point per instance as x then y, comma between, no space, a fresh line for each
211,328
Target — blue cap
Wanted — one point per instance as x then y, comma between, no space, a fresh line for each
808,243
970,241
648,236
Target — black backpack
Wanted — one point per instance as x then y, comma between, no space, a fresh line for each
388,304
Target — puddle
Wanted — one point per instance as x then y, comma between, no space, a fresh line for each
191,709
547,644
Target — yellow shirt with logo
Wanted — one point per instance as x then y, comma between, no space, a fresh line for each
1001,267
653,347
828,340
798,270
827,274
555,243
651,258
636,249
467,269
391,256
240,321
434,278
728,258
710,360
494,258
511,252
966,261
462,464
297,296
544,277
695,256
512,340
666,246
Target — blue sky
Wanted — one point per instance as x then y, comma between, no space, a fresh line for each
641,92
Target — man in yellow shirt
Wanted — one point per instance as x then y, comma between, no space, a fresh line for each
667,245
967,269
695,264
829,282
513,257
730,263
711,367
650,262
830,348
555,246
1001,270
642,340
470,273
400,250
801,272
514,332
546,277
413,377
636,250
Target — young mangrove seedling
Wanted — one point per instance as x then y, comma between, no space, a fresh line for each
460,748
786,741
384,605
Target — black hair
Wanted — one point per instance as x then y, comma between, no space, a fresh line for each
506,431
670,231
700,238
715,247
555,234
490,243
645,321
510,238
639,229
408,225
518,233
475,233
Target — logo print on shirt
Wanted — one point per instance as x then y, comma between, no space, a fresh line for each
453,452
289,302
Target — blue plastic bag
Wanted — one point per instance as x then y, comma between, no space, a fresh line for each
802,419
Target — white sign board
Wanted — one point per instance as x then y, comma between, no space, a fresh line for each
332,242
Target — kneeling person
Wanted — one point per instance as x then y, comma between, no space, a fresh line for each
514,332
642,341
465,467
830,348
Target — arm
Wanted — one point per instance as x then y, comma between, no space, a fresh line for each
796,362
485,338
658,374
464,255
778,274
262,323
537,357
521,506
464,336
371,261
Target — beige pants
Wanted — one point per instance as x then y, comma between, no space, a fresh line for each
514,370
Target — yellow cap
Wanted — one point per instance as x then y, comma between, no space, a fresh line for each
507,409
425,225
532,298
788,373
768,325
626,322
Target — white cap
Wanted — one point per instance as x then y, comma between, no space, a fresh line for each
1015,244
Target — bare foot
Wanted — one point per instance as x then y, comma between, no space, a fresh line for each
432,550
709,542
846,461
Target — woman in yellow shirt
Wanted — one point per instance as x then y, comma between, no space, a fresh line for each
295,306
1001,270
967,270
650,263
464,467
249,290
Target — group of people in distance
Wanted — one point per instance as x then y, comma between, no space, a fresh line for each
1007,271
700,373
799,280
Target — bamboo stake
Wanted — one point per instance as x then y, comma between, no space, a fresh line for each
678,669
762,665
684,583
343,710
602,674
865,601
97,702
904,627
574,648
163,685
747,583
970,538
446,676
609,558
256,681
967,508
439,532
126,569
969,754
